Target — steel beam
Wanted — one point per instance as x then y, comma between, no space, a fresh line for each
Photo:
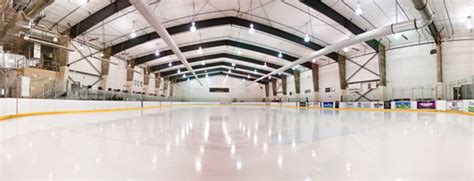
172,72
219,22
324,9
216,56
219,69
98,17
237,44
217,74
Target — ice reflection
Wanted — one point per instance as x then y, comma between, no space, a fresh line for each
215,143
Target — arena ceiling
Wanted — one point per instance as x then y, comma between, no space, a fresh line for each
222,29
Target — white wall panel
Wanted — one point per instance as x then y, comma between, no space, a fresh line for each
329,78
192,91
117,78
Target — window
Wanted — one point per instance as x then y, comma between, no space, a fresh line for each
328,89
218,90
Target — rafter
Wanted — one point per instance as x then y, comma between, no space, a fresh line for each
216,56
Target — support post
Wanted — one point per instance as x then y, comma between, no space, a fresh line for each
105,66
146,80
62,58
130,72
382,89
283,87
297,85
171,88
342,76
274,87
440,94
165,86
315,71
157,83
267,91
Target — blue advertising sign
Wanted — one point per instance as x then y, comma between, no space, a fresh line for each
328,104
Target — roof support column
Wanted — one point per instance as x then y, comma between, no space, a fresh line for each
283,87
267,91
165,86
171,88
157,83
440,94
130,72
63,58
146,81
382,88
342,76
315,71
104,73
297,85
274,87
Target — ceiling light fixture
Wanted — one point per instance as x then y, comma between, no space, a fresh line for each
157,53
184,75
83,2
203,63
233,64
200,50
346,49
133,34
193,27
358,10
306,38
179,71
55,39
251,30
170,64
193,24
280,55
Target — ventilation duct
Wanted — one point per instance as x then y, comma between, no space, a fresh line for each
158,26
421,5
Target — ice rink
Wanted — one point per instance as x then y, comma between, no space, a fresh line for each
238,143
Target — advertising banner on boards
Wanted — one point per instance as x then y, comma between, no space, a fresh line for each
378,105
454,105
328,104
314,104
387,104
350,105
363,104
302,104
426,104
470,105
402,105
